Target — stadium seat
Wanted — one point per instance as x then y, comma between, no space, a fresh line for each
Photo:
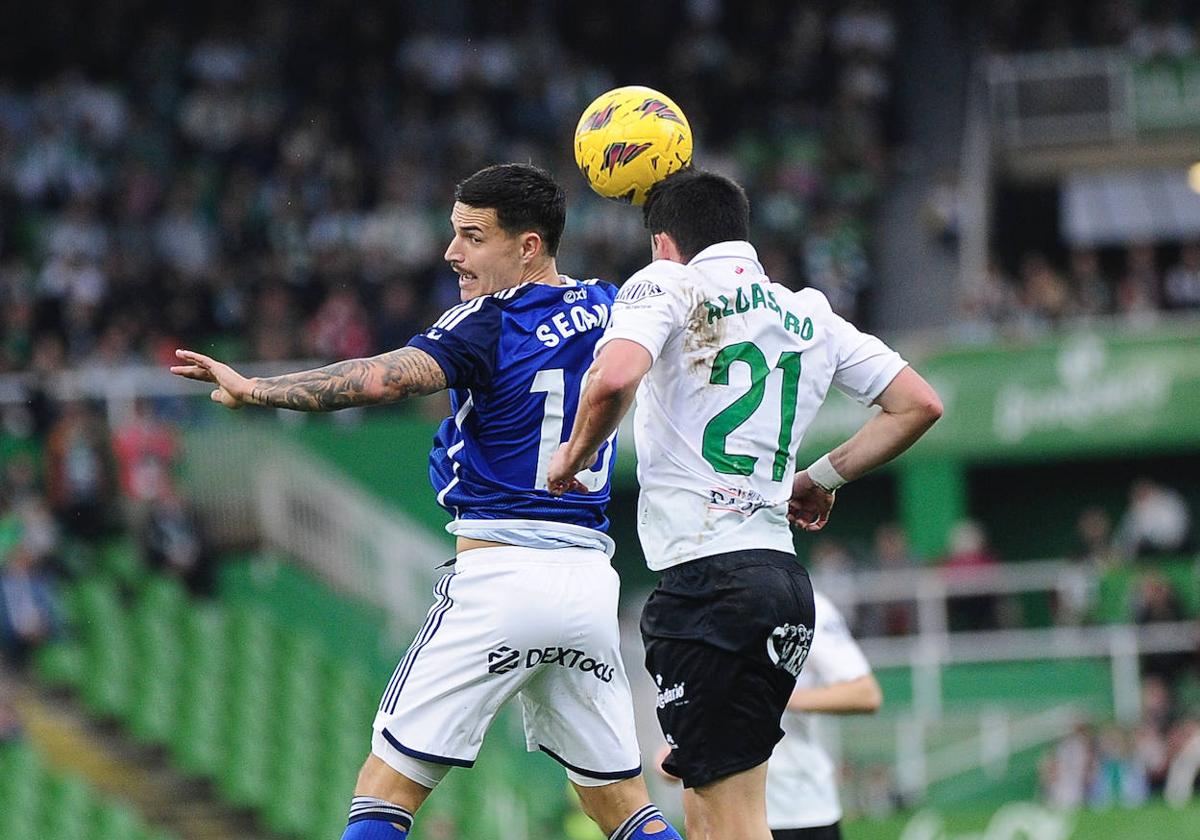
60,664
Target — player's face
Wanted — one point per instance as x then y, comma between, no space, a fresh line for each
484,256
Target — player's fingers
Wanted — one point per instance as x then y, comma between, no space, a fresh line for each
577,486
194,357
192,372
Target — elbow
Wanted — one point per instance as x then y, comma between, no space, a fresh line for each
872,696
931,408
608,384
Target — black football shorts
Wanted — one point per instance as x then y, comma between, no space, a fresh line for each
725,638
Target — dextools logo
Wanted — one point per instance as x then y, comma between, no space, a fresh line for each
503,659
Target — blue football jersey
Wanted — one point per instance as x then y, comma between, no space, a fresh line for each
515,362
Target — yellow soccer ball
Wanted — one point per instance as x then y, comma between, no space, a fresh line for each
629,139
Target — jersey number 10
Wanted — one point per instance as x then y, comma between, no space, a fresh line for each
552,384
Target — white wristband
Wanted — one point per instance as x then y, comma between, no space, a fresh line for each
823,474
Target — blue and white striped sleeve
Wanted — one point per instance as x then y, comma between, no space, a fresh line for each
463,342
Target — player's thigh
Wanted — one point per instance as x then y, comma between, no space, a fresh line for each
464,662
579,707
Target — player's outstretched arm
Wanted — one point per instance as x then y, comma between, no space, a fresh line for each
608,393
388,377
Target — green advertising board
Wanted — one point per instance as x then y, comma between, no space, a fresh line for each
1088,392
1165,93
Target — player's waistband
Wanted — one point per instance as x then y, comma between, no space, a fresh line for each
533,533
524,555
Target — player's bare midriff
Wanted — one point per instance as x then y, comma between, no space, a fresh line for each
467,543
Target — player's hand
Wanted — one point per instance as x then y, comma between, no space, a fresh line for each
233,389
809,507
659,758
560,478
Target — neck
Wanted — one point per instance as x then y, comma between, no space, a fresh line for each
545,273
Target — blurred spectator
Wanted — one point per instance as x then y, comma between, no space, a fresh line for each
174,543
1156,522
1066,770
1078,592
1120,776
891,554
339,329
78,484
1090,287
1044,294
832,570
1181,287
29,613
399,319
1155,601
146,451
971,561
1137,293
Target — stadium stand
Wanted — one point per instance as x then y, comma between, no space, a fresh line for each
274,186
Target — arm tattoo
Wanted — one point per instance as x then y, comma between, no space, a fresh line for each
388,377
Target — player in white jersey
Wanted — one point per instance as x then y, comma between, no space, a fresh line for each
802,796
729,370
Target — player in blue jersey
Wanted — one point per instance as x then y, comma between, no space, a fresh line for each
531,606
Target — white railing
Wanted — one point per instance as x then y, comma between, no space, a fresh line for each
250,487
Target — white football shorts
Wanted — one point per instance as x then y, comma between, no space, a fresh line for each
538,623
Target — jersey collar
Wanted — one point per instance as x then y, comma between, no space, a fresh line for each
732,250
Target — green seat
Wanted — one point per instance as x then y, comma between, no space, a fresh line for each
200,711
114,821
60,664
68,808
121,560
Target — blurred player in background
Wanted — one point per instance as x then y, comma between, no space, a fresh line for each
802,797
732,369
531,606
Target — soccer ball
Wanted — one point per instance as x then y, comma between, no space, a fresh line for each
628,140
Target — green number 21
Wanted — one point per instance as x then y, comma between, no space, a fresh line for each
723,424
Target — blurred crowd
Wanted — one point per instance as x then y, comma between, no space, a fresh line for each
1149,28
1109,765
90,490
277,185
1125,554
1137,286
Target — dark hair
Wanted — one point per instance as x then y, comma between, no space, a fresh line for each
697,208
524,197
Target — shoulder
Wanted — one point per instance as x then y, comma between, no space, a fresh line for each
813,300
659,278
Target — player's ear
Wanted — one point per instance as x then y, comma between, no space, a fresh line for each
663,247
532,246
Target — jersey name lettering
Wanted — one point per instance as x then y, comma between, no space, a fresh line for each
577,319
755,297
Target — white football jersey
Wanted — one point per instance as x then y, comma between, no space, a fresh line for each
741,366
801,778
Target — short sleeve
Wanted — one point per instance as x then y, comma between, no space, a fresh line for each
463,342
649,308
835,656
865,366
